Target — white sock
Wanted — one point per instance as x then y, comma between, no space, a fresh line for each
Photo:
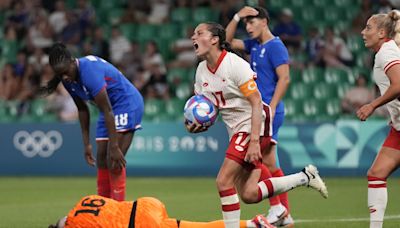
230,208
377,201
231,219
289,182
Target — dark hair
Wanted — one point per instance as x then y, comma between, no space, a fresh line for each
218,30
50,87
262,14
58,54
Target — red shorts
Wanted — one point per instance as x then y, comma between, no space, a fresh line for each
237,149
393,139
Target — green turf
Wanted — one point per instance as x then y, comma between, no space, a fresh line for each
36,202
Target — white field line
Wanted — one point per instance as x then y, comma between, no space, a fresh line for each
388,217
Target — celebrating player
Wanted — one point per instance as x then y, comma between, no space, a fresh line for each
270,60
100,212
121,108
381,34
227,80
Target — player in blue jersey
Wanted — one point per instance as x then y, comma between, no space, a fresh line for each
121,108
270,60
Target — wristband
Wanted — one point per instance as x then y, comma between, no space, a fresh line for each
236,18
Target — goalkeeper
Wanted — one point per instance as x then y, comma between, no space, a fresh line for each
146,212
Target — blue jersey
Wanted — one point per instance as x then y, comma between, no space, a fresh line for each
96,74
265,58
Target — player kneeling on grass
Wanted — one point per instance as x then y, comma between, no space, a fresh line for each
147,212
228,81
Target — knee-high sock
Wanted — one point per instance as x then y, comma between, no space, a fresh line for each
118,182
278,185
103,183
266,174
230,208
283,196
377,201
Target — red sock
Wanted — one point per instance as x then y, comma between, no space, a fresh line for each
284,198
103,183
265,189
266,174
118,182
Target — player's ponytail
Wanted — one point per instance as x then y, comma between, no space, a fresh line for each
394,16
227,46
50,87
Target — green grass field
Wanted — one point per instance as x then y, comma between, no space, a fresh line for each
37,202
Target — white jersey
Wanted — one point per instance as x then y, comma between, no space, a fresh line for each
227,87
387,56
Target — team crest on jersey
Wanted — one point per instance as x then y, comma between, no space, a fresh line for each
262,52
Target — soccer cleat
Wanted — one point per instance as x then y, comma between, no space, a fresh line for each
286,222
276,213
315,181
262,222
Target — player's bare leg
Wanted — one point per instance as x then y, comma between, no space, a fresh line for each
387,161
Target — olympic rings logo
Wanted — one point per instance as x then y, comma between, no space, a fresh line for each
38,143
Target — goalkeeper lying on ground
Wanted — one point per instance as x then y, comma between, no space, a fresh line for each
146,212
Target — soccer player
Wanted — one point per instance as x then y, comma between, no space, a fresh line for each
99,212
121,108
227,80
381,34
270,60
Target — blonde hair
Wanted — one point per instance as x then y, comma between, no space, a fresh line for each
390,22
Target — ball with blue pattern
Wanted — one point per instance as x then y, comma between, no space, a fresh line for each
199,109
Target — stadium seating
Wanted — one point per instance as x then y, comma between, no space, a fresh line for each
153,108
174,108
314,93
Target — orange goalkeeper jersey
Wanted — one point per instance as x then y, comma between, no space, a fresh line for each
99,212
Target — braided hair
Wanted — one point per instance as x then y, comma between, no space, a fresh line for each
58,55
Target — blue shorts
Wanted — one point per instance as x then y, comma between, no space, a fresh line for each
276,124
125,120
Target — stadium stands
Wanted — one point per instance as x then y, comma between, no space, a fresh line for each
314,93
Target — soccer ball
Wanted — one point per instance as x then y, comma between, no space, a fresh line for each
199,109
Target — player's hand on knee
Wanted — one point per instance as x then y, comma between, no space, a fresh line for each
117,159
253,153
